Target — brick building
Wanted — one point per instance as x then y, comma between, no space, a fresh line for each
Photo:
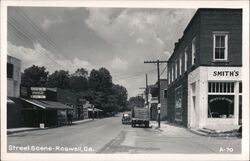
204,71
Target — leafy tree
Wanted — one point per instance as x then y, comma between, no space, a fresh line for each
59,79
100,80
79,80
81,72
121,96
137,101
34,76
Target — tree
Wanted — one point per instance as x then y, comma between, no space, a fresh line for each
100,80
137,101
34,76
121,96
79,80
81,72
59,79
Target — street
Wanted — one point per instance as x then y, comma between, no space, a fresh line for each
108,135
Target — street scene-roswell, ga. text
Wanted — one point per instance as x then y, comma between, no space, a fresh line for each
124,80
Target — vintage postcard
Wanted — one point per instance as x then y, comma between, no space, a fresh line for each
124,80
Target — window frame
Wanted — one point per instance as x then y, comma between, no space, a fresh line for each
226,45
176,69
186,59
193,50
180,65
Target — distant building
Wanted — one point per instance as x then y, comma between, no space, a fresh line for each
14,105
204,71
48,106
153,99
13,77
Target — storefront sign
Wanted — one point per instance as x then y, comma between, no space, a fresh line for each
224,73
220,99
38,93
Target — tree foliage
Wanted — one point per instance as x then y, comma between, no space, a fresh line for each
97,87
34,76
137,101
59,79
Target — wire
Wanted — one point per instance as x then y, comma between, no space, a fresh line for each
164,70
26,35
40,31
134,76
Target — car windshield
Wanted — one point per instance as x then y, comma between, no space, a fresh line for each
126,115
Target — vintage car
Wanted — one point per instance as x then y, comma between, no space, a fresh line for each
126,118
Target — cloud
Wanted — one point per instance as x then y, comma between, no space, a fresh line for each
137,35
48,22
119,64
41,57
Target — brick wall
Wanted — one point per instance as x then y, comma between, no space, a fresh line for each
183,81
221,20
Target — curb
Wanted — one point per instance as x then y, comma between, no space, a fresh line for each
19,131
12,132
233,134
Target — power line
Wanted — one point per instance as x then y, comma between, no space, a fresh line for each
28,37
134,76
40,31
164,70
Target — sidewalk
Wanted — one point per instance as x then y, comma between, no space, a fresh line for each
166,128
23,129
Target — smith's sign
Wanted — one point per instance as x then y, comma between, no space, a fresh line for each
226,73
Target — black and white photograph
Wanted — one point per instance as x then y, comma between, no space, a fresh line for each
107,80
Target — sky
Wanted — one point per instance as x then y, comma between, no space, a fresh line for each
119,39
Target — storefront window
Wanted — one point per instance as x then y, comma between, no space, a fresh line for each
221,99
240,103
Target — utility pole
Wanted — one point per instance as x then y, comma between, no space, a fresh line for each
159,87
147,89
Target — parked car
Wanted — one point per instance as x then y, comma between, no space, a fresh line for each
126,118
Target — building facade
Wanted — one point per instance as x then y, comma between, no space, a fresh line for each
153,100
13,77
14,105
204,71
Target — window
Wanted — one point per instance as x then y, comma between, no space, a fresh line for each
220,46
193,50
9,70
176,70
169,75
172,77
180,66
185,59
221,97
165,93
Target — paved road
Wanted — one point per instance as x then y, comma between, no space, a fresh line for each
110,136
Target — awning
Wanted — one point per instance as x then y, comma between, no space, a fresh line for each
9,101
44,104
96,109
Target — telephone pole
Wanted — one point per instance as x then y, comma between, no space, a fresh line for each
159,87
147,89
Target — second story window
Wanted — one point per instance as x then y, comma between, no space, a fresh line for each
10,69
172,74
169,75
176,70
180,66
185,59
220,46
193,50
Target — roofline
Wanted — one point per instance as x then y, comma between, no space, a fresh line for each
195,16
